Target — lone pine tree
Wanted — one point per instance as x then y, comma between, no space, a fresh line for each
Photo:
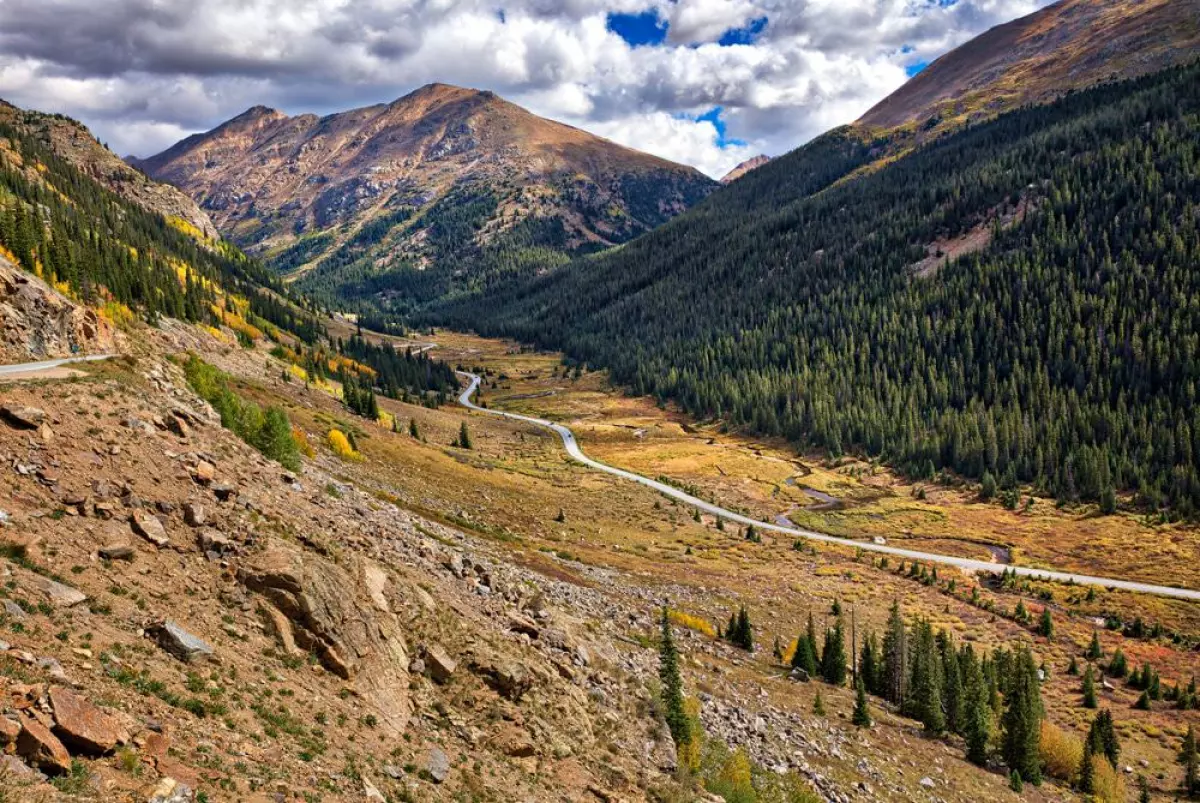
672,684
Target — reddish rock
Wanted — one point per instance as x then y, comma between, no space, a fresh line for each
9,731
82,725
41,748
204,472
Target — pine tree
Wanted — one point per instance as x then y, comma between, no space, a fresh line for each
1089,688
1073,667
1046,624
926,701
862,714
952,689
977,715
810,631
1087,773
464,437
1094,653
895,666
868,664
1118,667
1189,759
1022,718
803,658
833,656
1143,790
987,488
818,704
1102,737
412,428
672,684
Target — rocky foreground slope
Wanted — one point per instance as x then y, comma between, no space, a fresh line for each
181,614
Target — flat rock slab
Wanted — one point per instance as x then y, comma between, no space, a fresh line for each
180,643
441,665
23,417
437,764
41,748
117,552
149,527
59,595
82,725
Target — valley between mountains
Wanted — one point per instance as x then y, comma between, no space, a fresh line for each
434,451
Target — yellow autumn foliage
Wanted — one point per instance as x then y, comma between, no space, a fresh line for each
185,227
736,771
340,445
1061,751
1107,784
790,651
116,313
301,439
689,754
692,622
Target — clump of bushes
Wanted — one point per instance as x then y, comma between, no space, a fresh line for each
341,446
268,430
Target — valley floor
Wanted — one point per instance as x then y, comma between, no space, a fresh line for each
510,552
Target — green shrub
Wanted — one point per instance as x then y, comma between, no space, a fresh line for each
270,432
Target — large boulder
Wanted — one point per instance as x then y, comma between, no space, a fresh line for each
41,748
183,645
334,616
83,726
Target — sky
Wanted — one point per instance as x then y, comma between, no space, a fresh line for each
708,83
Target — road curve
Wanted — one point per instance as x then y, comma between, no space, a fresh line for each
576,454
45,365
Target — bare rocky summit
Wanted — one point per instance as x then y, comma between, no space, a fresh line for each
1071,44
271,181
745,167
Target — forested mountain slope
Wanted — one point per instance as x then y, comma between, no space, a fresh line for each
60,222
1072,44
72,142
1020,297
411,197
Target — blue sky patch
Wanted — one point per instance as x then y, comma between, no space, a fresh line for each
639,29
915,68
745,35
713,116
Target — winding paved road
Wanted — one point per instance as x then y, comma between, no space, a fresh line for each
576,454
45,365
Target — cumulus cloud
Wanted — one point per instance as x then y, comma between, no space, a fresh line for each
143,73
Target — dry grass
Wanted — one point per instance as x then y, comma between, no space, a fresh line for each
515,481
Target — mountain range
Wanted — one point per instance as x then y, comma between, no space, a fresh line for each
403,186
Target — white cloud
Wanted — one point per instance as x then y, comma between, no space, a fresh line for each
706,20
672,137
142,73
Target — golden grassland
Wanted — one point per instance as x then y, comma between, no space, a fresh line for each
768,479
512,486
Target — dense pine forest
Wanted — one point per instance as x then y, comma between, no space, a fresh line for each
103,247
801,303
